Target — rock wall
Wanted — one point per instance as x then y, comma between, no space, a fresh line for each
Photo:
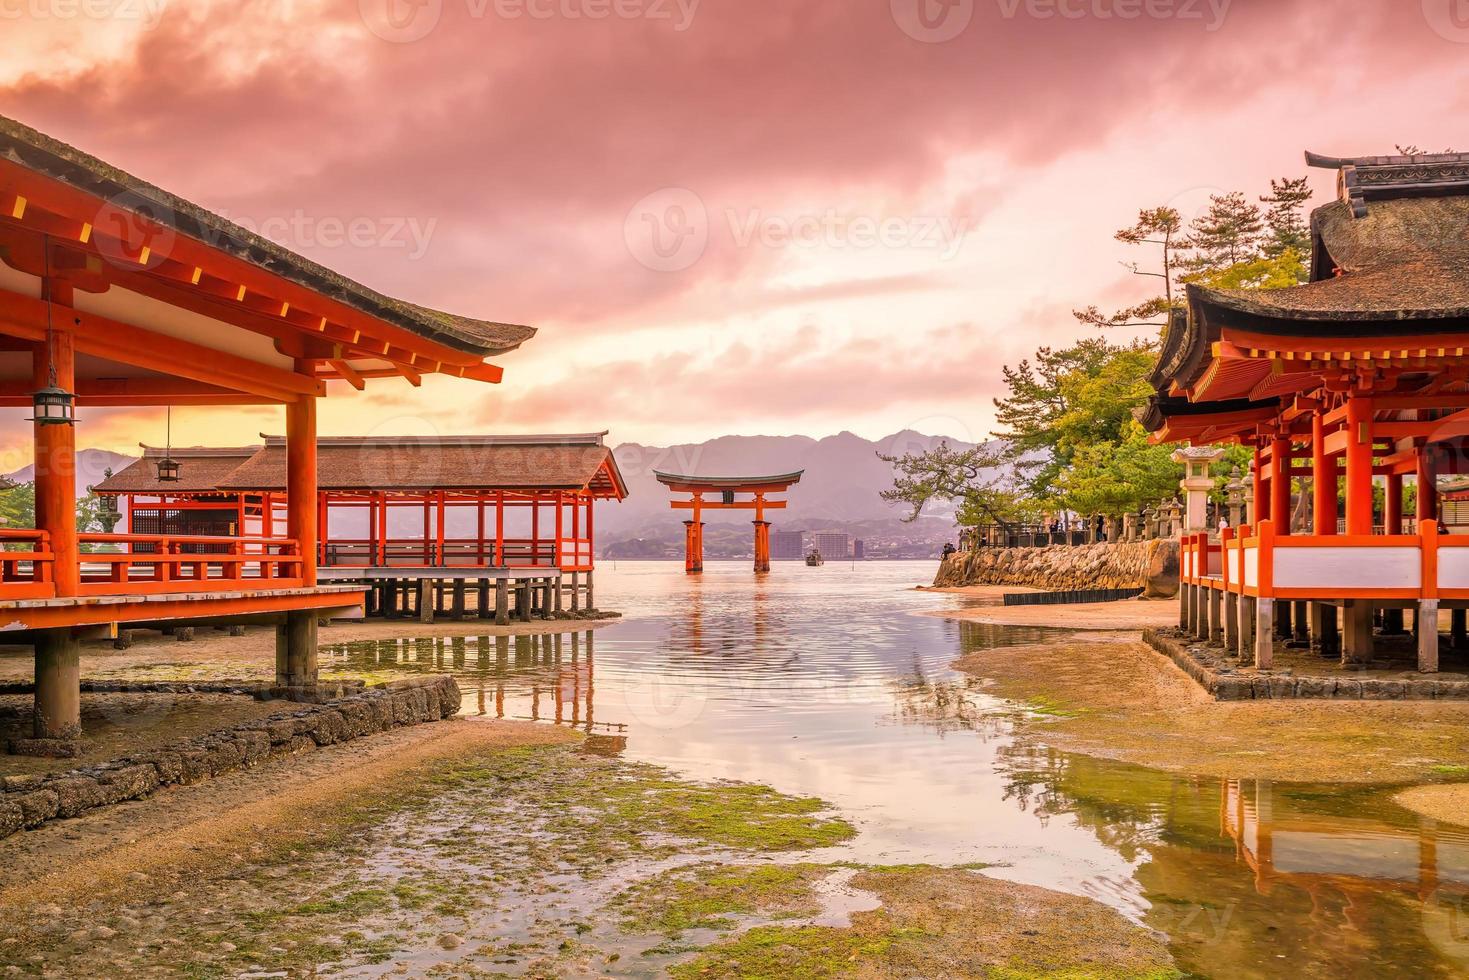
28,801
1148,565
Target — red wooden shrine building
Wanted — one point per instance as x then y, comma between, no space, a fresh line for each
116,293
1352,389
450,502
728,491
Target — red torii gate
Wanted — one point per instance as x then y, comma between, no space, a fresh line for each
727,487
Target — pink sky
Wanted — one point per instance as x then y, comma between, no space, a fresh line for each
863,208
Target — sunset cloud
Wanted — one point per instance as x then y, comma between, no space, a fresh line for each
727,215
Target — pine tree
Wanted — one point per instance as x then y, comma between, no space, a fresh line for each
1155,226
1287,229
1227,234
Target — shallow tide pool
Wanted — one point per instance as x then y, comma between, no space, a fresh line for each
821,682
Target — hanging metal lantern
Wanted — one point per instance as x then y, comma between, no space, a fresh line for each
168,467
54,406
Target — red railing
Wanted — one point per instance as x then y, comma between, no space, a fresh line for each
575,555
145,563
25,564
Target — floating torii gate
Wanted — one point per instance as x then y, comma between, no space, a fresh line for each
727,488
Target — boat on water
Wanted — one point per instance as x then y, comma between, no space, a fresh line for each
814,558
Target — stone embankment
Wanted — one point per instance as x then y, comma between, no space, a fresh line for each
1148,565
28,801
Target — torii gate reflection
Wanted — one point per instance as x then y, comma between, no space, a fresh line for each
729,488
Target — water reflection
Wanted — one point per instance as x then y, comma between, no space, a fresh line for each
547,677
820,682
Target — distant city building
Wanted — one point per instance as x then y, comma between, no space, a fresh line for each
833,545
787,545
859,551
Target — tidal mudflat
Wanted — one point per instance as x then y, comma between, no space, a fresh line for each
788,775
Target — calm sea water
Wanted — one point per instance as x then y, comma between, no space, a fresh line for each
820,681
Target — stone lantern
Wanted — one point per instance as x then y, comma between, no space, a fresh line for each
1197,483
1169,513
1235,492
1150,523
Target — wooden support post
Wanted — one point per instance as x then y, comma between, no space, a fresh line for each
58,698
301,500
1183,605
522,601
1231,622
457,610
1324,475
1201,612
1300,628
295,650
1427,620
576,591
425,600
1246,647
1427,480
1264,633
560,587
55,456
1458,633
1283,620
1215,631
1359,465
502,602
1356,639
482,599
590,603
1322,620
547,588
1280,511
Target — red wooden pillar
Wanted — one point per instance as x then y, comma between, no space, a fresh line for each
535,528
479,528
323,527
560,505
301,481
1280,484
1260,492
1427,502
439,530
694,538
55,457
500,528
1324,472
1359,465
1392,516
382,529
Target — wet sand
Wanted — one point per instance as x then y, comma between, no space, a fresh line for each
1446,803
1120,700
1128,614
216,824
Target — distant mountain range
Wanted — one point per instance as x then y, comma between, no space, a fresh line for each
839,491
841,484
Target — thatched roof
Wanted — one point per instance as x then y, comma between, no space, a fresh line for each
534,462
539,462
1406,259
201,470
51,158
